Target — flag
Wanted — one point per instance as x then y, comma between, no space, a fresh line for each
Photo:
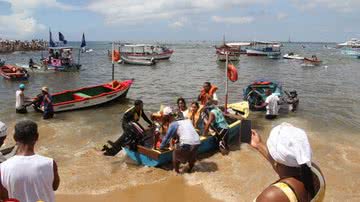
51,42
62,38
83,43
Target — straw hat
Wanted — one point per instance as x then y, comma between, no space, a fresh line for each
46,89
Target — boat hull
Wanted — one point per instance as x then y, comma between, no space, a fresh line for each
13,72
161,56
80,100
293,57
129,61
153,158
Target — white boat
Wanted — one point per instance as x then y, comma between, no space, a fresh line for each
353,43
269,49
293,56
145,51
233,49
126,60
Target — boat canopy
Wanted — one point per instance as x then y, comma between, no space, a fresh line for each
239,44
61,48
265,43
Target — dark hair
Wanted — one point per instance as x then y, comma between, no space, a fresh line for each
138,102
207,83
26,132
181,99
196,103
307,179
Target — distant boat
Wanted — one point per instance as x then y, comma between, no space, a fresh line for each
353,43
269,49
313,61
61,59
293,56
13,72
127,60
145,51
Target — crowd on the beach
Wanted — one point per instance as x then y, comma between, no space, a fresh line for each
8,46
178,130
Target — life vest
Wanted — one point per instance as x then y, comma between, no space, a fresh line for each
116,55
204,95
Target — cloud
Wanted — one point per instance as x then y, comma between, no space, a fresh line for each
179,23
233,20
142,11
21,24
281,16
337,5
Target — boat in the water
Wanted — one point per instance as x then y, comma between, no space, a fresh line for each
146,155
126,60
13,72
353,43
313,61
61,59
145,51
293,56
254,93
90,96
269,49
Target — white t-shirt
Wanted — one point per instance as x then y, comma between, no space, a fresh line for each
19,99
185,113
272,107
215,98
187,133
28,178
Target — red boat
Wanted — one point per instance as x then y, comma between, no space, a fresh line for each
13,72
90,96
313,61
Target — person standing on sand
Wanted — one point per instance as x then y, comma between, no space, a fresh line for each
27,176
189,141
289,152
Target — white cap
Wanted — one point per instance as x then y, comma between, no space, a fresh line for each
3,129
289,145
167,111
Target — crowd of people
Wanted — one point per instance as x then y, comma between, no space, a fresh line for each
287,148
8,46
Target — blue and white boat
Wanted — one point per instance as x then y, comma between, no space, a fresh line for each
269,49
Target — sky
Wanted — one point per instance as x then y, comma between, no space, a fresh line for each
179,20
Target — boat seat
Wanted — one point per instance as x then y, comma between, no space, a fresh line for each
81,95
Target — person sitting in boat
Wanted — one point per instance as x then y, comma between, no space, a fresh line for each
182,111
20,104
188,140
208,92
4,155
289,152
132,130
292,100
214,118
313,57
271,103
194,115
48,109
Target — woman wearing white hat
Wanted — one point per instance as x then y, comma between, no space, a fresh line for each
288,150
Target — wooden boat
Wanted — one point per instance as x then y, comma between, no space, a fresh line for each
152,157
145,51
13,72
126,60
254,93
313,61
90,96
60,59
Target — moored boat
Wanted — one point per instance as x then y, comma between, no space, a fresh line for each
127,60
255,92
90,96
313,61
145,51
269,49
13,72
152,157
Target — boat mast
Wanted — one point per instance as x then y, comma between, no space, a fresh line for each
226,79
112,61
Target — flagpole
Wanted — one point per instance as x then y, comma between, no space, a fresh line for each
112,60
226,79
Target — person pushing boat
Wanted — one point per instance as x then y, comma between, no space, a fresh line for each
132,130
271,103
20,100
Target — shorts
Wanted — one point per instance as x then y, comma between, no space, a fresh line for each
185,153
48,114
21,110
270,116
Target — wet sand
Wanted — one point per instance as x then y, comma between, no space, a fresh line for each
173,189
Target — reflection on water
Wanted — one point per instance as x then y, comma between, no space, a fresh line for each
329,112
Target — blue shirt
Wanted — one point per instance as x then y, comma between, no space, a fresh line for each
169,134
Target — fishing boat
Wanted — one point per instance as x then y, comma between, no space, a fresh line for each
90,96
126,60
145,51
353,43
146,155
269,49
60,59
293,56
313,61
254,93
13,72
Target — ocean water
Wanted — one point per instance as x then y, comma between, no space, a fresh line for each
329,112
